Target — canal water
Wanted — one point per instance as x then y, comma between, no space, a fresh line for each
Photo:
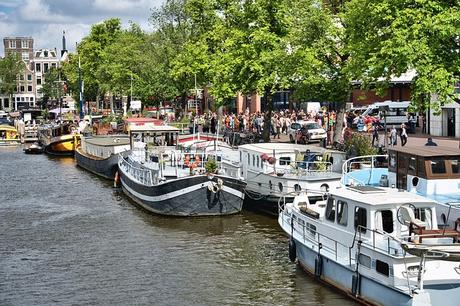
69,238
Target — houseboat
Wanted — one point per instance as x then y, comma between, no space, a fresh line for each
99,154
167,179
9,136
430,171
378,245
274,171
59,139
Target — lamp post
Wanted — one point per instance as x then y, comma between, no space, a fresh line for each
384,110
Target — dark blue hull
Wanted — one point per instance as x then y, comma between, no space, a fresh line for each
105,168
189,196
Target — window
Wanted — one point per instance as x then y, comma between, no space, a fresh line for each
21,77
247,158
21,88
330,209
285,161
25,56
382,267
38,67
45,67
392,162
280,186
45,53
384,220
424,214
29,77
29,88
342,213
39,81
438,166
258,161
360,219
421,167
24,44
53,65
253,160
31,99
412,165
455,164
12,44
364,260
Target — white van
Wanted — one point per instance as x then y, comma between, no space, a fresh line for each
396,112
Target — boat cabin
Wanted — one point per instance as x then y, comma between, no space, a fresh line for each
426,169
105,146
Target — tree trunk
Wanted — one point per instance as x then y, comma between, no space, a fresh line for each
267,116
111,103
339,123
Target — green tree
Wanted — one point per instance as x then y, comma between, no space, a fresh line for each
391,37
10,68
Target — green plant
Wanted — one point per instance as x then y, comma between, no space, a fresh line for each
211,165
359,145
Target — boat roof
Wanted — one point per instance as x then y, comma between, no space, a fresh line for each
427,151
375,196
153,128
118,140
5,127
269,147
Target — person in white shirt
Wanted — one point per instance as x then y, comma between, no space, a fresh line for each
403,135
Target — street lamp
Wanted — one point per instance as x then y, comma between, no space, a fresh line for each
384,110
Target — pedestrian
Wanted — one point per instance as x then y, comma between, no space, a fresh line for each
403,135
393,136
430,142
375,133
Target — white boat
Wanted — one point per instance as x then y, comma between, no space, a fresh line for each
430,171
275,170
378,245
165,179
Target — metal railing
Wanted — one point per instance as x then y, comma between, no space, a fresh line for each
142,175
362,162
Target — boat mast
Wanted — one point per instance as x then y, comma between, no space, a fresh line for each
80,85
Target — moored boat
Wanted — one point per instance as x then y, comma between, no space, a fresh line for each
34,148
163,179
60,139
378,245
9,136
99,154
276,170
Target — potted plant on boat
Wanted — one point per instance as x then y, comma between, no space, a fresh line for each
210,166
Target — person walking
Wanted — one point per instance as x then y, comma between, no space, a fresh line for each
375,133
393,136
403,135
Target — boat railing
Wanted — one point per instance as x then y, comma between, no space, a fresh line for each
365,162
380,240
143,176
307,168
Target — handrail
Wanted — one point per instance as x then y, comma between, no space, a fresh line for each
347,163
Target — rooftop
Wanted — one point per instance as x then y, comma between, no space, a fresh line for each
427,151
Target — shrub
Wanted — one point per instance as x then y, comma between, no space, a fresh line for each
359,145
211,165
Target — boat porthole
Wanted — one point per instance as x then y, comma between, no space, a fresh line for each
444,219
415,181
297,187
324,188
270,184
280,186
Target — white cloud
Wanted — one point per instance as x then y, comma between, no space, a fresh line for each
37,11
44,20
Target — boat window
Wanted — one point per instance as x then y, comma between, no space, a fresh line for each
330,209
424,214
421,167
311,228
364,260
270,184
247,157
241,157
342,213
455,164
412,165
297,187
285,160
253,160
438,166
382,267
360,219
392,162
384,220
280,186
258,161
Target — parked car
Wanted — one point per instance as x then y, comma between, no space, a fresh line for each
306,131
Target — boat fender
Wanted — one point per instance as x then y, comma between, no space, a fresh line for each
116,180
318,266
355,284
292,250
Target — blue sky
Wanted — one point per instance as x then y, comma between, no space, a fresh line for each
44,20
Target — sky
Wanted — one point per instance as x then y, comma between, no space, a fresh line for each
45,20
